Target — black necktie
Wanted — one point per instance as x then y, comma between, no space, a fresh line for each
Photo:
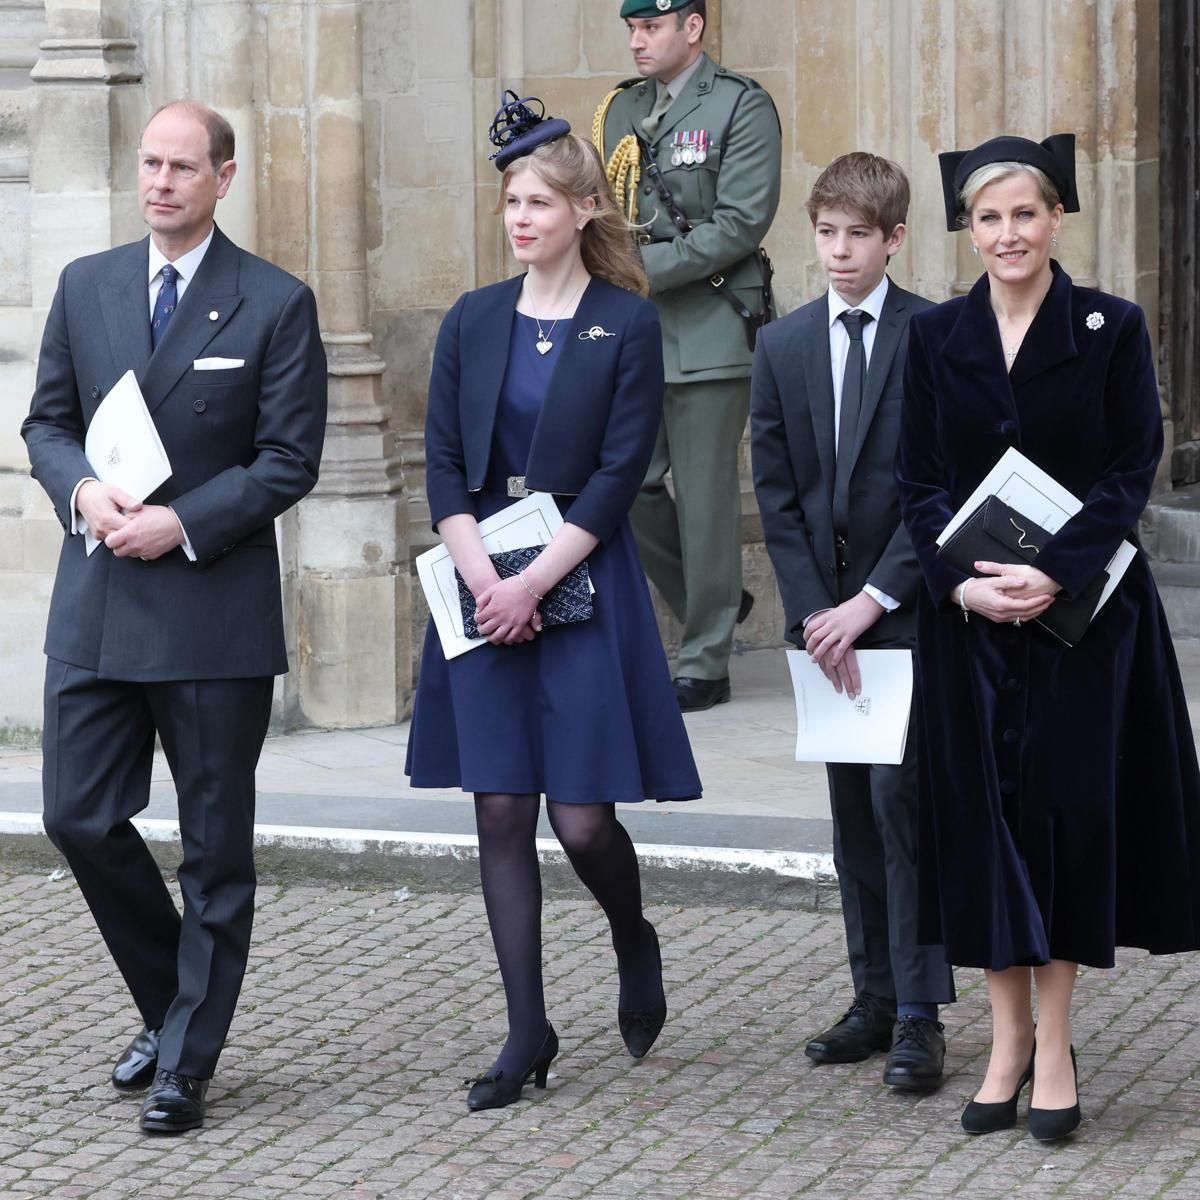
164,306
852,393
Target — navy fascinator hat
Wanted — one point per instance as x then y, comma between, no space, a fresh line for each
517,130
1055,157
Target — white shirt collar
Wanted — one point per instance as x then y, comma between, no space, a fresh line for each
186,264
873,304
681,80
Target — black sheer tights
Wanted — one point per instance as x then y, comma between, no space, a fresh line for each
603,857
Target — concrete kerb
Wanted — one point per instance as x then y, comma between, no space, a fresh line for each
368,858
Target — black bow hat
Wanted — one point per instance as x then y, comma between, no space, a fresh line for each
1055,157
517,130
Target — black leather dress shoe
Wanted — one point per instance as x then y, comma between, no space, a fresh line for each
865,1029
695,695
175,1103
135,1068
917,1056
744,606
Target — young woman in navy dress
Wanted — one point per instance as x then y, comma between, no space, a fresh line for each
552,381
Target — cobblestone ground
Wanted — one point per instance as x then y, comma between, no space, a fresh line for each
362,1013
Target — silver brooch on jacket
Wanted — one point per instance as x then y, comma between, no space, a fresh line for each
1094,320
595,334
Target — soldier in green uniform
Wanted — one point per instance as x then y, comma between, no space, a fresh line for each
693,149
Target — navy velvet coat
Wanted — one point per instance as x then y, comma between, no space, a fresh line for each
1060,793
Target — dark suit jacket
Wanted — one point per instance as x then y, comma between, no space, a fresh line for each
596,432
244,446
792,446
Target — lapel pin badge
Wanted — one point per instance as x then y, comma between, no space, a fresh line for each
1094,320
595,334
212,316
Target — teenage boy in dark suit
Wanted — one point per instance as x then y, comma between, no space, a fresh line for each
826,392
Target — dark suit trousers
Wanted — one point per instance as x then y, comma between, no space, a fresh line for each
875,852
184,974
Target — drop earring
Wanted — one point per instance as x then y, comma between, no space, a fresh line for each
974,249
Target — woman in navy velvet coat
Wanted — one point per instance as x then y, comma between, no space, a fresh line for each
1061,801
552,381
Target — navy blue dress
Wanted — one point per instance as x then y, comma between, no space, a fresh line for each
583,713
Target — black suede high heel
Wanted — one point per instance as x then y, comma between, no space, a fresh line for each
978,1117
640,1027
495,1091
1051,1124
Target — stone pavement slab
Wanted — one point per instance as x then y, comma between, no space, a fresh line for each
362,1013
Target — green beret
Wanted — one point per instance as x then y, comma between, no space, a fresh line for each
650,8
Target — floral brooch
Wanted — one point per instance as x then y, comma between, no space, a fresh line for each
1094,320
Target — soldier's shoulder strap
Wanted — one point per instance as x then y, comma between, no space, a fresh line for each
734,77
747,85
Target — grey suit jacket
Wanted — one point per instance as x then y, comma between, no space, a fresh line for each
792,448
244,444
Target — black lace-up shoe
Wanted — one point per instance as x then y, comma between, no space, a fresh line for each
917,1055
136,1066
865,1029
175,1103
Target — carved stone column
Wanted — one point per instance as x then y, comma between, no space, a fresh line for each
354,649
86,115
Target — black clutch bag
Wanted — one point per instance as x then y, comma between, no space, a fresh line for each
568,601
995,532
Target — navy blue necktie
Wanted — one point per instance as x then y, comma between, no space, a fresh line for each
852,395
164,306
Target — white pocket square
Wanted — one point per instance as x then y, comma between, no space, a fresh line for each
217,364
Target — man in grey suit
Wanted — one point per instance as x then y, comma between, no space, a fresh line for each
173,626
825,410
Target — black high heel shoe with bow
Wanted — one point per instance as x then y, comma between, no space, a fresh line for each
502,1088
640,1027
979,1117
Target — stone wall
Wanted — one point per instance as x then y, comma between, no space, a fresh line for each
362,147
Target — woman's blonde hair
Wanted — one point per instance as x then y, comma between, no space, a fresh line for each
572,166
992,172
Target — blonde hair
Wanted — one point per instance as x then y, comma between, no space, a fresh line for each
993,173
573,168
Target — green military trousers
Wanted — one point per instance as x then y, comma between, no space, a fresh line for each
691,544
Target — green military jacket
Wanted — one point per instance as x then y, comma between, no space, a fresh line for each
730,199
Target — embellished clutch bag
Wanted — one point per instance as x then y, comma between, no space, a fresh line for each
996,532
568,601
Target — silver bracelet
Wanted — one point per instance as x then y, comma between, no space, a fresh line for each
962,598
525,585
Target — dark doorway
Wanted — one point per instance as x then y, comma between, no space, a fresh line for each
1179,270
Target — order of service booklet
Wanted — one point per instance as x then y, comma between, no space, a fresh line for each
871,727
123,447
532,521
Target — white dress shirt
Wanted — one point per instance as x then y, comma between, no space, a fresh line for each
839,349
186,266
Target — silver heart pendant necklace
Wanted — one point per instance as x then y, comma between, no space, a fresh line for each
544,344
